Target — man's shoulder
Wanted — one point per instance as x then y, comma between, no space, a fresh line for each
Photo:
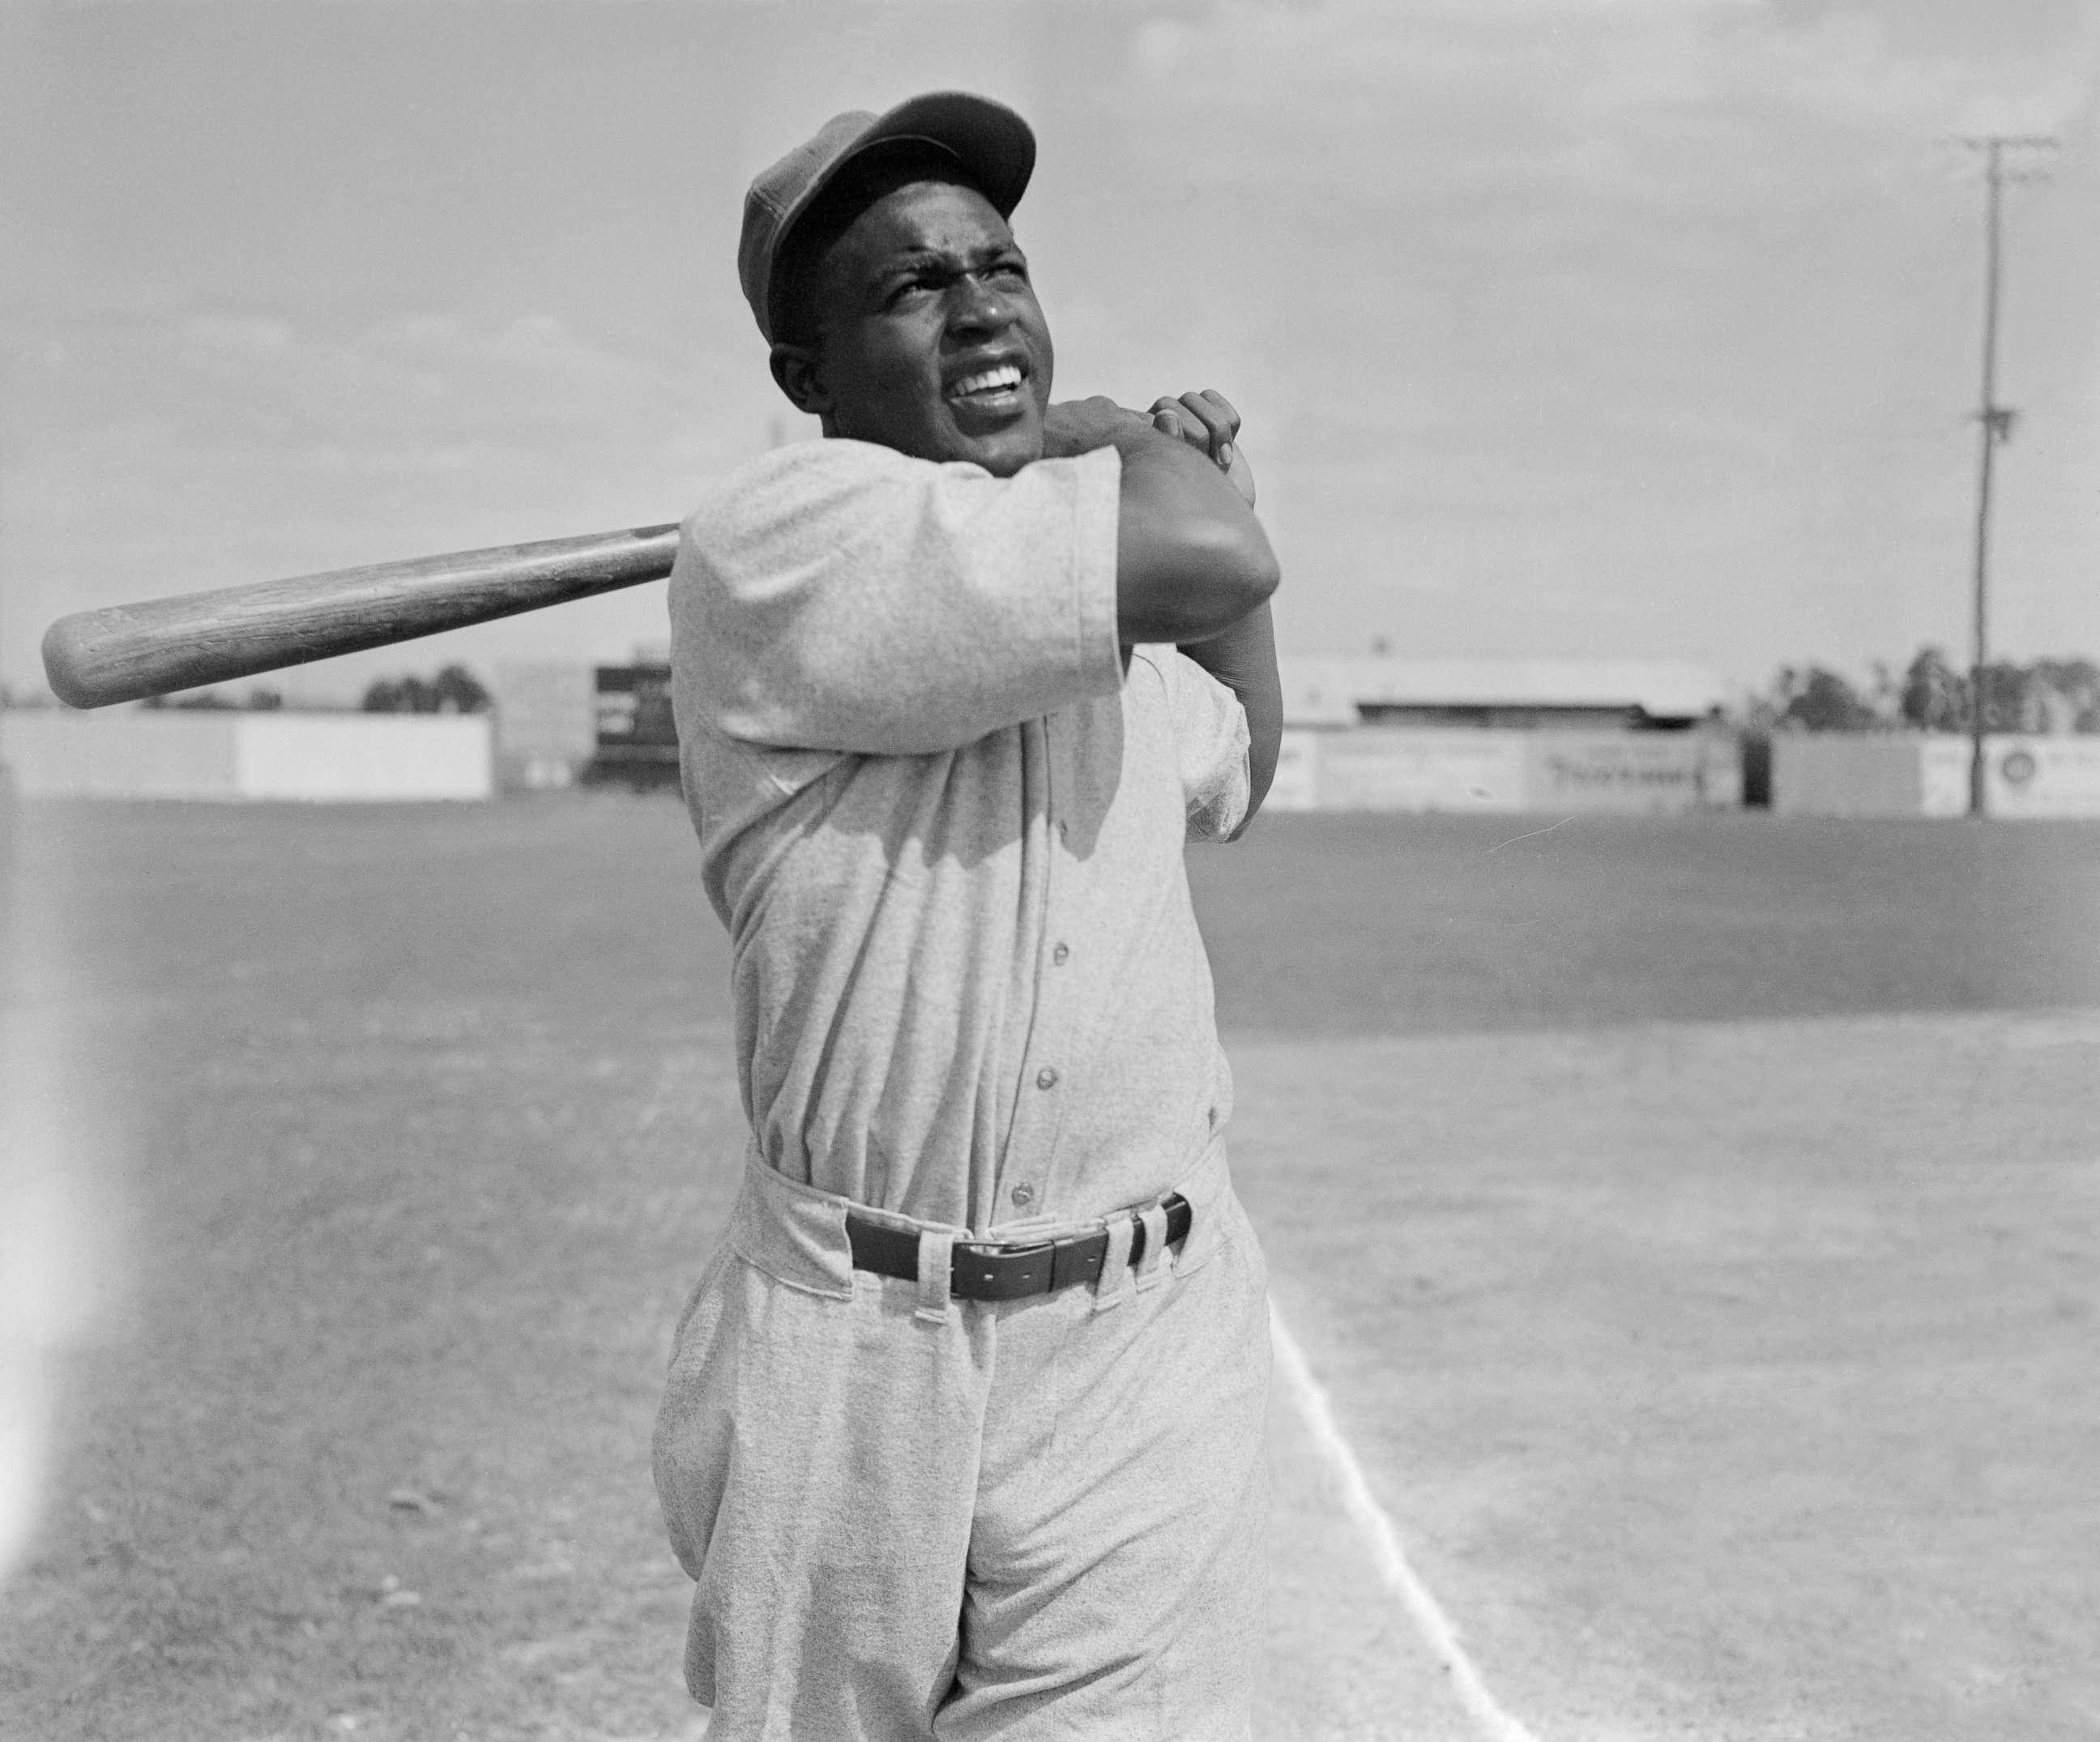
789,501
824,466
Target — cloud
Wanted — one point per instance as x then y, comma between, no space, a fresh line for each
420,389
1567,304
242,335
160,451
1667,302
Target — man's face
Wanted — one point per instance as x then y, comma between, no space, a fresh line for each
933,342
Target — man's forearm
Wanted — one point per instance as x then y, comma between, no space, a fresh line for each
1191,559
1243,658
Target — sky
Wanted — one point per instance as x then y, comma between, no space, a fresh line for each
1568,328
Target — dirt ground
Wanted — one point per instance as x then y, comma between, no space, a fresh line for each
1694,1223
1725,1380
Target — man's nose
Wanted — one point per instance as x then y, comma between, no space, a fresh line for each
976,307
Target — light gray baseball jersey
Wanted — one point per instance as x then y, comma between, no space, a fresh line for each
944,827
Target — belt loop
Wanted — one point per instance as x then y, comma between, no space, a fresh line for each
936,1274
1152,1268
1113,1283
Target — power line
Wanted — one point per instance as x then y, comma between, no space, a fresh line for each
1995,422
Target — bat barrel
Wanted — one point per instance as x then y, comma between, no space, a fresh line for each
123,653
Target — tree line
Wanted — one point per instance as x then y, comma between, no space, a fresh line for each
1932,695
454,691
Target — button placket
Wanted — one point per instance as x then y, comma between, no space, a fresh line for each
1033,1137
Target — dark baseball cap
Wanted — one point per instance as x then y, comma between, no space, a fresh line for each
993,144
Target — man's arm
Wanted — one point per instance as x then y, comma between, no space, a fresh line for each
1243,657
1191,559
842,596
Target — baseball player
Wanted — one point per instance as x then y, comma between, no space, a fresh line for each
963,1436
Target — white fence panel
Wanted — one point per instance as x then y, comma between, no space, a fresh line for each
364,757
134,753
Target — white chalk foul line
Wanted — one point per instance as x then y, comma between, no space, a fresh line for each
1420,1602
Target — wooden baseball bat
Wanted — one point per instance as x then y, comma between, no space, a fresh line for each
124,652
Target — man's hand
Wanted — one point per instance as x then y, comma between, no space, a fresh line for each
1191,559
1207,421
1079,426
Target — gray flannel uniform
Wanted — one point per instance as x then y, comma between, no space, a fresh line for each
944,824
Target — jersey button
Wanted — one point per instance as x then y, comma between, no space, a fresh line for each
1046,1079
1061,954
1023,1194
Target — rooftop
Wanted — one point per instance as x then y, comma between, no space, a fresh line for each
1322,690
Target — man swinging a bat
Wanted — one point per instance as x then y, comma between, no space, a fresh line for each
962,1433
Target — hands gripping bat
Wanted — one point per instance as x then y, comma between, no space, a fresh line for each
124,652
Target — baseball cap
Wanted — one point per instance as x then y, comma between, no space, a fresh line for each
992,143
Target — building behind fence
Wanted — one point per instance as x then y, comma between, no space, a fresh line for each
1566,737
1631,736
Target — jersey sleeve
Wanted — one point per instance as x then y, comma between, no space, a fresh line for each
841,596
1210,744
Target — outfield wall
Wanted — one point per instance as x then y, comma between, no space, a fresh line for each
1415,768
228,756
1891,774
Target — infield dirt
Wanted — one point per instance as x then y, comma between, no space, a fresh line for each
1694,1222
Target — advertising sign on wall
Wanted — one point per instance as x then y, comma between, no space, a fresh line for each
1621,771
1843,774
2042,777
1402,768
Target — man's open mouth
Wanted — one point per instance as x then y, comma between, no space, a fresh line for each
990,387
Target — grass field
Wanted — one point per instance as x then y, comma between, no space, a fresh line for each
1695,1223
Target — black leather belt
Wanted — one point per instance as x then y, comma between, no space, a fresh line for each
1006,1272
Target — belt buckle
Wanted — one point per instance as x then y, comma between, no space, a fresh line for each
1002,1273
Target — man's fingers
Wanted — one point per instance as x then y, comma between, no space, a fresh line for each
1211,396
1169,419
1221,423
1206,419
1075,427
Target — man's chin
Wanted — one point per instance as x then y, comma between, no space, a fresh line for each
1005,452
1002,451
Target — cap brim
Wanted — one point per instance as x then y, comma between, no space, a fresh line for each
989,140
995,144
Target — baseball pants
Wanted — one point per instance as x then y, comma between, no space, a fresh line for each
913,1517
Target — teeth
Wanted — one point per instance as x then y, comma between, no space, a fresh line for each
991,380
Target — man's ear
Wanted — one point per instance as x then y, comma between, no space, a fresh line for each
800,374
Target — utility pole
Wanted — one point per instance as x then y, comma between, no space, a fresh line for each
1995,422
